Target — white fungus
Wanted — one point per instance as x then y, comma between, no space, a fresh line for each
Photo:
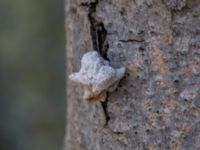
97,76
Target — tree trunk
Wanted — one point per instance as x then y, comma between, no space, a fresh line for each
157,104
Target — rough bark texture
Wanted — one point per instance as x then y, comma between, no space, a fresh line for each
157,104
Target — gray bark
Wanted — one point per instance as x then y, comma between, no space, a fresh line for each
157,104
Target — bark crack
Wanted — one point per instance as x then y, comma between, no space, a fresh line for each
100,44
97,30
132,40
105,109
107,117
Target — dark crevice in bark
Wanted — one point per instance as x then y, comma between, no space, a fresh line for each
132,40
116,133
98,36
97,30
105,109
107,117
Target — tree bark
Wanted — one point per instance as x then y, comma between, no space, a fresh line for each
157,104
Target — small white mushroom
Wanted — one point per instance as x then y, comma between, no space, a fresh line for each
97,76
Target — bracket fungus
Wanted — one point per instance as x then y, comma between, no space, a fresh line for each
97,76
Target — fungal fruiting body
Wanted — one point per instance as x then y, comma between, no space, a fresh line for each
97,76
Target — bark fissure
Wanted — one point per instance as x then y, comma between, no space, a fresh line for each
107,117
97,30
105,109
98,36
132,40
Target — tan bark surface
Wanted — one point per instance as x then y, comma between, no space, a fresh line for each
157,104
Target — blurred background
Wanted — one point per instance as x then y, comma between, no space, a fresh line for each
32,74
